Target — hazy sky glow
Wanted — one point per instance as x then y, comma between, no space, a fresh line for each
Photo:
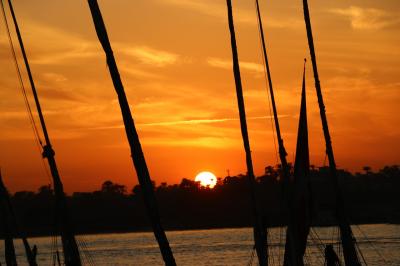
174,57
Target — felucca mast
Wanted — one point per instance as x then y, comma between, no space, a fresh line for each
291,252
346,234
260,237
9,217
70,247
133,138
9,249
282,151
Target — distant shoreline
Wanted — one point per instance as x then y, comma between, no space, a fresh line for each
371,198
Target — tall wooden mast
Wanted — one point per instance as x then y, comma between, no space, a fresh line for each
9,249
70,247
8,216
260,237
290,251
346,234
133,138
282,151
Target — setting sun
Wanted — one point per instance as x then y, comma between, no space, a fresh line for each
206,179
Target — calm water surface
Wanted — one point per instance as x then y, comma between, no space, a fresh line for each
217,247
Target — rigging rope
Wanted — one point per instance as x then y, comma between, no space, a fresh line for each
27,105
37,138
314,237
266,84
317,240
252,256
53,249
371,244
274,133
361,254
83,245
338,240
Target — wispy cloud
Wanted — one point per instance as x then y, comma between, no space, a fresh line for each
78,50
367,18
55,46
54,77
150,56
135,71
200,121
227,64
58,94
208,142
188,122
218,10
66,46
212,8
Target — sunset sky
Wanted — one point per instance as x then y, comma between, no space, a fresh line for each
174,58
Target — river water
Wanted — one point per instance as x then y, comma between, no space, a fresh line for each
380,245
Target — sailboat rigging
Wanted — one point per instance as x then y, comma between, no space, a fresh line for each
296,189
133,138
291,254
259,231
346,234
70,247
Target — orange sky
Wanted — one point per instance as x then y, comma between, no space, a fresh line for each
174,57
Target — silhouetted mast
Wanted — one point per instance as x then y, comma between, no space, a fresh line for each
70,248
9,249
6,211
346,234
291,252
282,151
260,236
133,138
300,192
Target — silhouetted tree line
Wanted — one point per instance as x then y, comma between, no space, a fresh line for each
371,197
